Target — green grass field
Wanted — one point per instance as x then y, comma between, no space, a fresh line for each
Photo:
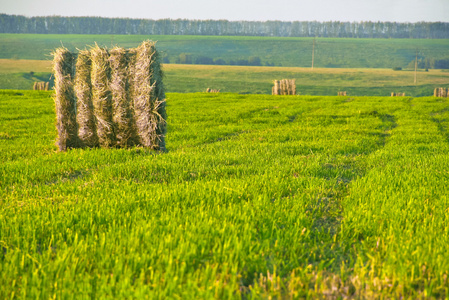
21,74
258,196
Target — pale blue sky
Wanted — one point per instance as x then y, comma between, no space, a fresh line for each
260,10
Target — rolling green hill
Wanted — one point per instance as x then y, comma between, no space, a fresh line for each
290,52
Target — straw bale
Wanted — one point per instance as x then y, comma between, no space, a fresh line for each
284,87
149,97
276,87
65,100
87,130
41,86
102,97
120,89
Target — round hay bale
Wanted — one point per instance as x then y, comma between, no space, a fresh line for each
149,97
65,100
102,97
120,88
87,130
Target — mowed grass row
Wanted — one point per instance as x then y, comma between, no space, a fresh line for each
21,74
257,196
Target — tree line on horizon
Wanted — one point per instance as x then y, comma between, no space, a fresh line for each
335,29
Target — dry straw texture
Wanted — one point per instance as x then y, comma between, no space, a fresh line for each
120,89
65,100
149,97
102,96
87,130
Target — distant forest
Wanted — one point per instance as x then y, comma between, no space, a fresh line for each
335,29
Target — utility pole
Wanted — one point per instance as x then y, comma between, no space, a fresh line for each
313,51
416,64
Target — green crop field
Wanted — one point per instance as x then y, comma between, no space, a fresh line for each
287,52
361,67
257,197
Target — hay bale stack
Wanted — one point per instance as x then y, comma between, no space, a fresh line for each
116,99
120,89
102,96
342,93
41,86
209,90
87,130
441,92
149,97
65,100
284,87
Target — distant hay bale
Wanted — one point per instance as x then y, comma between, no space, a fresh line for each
393,94
209,90
342,93
120,89
284,87
149,97
102,97
441,92
41,86
87,130
65,100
